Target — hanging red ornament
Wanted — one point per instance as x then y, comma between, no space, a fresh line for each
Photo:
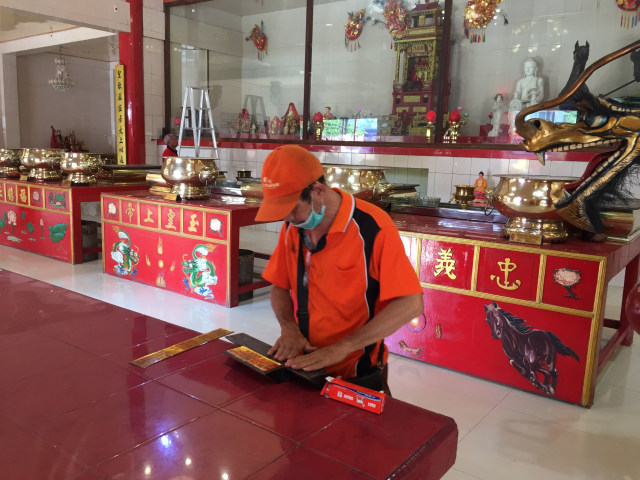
353,29
397,19
630,12
477,16
259,40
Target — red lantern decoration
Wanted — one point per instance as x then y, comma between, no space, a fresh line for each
431,116
353,29
630,12
397,20
454,116
259,40
176,121
477,16
317,117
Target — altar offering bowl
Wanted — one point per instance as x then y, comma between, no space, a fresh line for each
189,177
10,162
529,203
43,163
364,182
464,194
81,168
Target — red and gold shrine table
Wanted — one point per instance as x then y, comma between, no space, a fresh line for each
45,218
189,247
527,316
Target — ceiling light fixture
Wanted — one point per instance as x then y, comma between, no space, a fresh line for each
62,81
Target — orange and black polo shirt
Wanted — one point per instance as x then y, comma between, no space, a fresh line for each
353,273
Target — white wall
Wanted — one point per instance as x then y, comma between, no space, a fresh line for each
85,108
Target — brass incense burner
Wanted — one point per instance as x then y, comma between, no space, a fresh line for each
529,203
464,194
43,163
363,182
10,162
81,168
189,177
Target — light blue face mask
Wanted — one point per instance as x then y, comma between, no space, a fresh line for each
313,220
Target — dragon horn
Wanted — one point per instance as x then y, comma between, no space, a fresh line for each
523,127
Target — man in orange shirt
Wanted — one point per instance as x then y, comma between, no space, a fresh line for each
341,278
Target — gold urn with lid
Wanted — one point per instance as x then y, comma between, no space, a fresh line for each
81,168
189,177
10,162
43,163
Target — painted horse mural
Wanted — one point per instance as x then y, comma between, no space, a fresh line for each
531,352
601,121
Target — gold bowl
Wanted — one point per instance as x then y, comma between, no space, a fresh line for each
81,168
189,177
364,182
529,203
464,194
10,162
43,163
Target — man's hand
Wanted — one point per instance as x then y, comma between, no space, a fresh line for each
317,359
290,343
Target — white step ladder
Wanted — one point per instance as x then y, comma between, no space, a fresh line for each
197,114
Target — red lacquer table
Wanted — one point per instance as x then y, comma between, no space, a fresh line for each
527,316
189,247
45,218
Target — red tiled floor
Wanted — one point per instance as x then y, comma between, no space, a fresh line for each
295,464
173,364
66,389
99,431
214,445
216,382
26,456
275,409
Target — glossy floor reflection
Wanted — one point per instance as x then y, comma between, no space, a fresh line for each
504,433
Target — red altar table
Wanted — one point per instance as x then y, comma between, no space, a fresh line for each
189,247
527,316
45,218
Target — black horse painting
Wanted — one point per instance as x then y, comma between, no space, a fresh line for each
580,57
530,352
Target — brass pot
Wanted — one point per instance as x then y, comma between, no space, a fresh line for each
189,177
43,163
364,182
81,168
529,203
10,162
464,194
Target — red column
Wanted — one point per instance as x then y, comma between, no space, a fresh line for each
131,56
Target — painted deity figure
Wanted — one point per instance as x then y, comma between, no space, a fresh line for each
200,272
126,258
480,187
529,89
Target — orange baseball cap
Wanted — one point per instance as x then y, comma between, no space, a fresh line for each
287,171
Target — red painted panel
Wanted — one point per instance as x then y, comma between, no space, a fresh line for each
570,282
149,215
454,333
35,230
36,196
508,273
445,263
23,195
187,266
193,222
111,209
56,199
129,212
170,218
216,225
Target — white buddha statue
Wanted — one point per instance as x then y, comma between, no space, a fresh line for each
529,89
497,115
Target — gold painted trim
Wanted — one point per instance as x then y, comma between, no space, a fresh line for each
508,247
594,337
474,268
166,232
516,301
418,257
542,268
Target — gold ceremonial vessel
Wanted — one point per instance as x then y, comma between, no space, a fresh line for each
528,201
251,188
81,168
10,162
189,177
43,163
464,194
363,182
